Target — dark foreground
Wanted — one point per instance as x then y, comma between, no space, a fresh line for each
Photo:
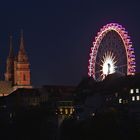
37,124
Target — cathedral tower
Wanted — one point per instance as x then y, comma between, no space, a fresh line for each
9,75
21,67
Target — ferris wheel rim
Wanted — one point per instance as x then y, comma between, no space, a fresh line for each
129,50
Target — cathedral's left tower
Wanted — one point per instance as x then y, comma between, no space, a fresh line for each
9,75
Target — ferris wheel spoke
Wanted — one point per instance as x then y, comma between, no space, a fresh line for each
98,64
99,71
121,72
100,57
122,66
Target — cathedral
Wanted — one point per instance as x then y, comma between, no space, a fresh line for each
17,73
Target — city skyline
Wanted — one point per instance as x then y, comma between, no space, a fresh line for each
58,35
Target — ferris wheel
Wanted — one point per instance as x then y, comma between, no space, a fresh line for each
112,52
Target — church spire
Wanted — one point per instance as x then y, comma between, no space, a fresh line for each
9,74
22,47
11,52
22,53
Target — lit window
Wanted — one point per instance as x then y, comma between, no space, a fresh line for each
92,114
10,115
61,111
138,98
66,111
137,90
125,101
116,94
78,117
120,101
71,111
131,91
133,98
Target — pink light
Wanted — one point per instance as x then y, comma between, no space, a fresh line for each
127,43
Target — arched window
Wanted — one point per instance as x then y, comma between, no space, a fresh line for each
24,77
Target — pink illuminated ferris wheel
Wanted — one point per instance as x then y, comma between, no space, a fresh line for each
112,52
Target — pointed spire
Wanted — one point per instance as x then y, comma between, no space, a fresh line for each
22,48
22,56
11,52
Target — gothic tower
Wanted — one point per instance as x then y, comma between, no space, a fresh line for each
21,67
9,75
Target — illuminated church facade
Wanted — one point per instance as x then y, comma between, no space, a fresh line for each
17,73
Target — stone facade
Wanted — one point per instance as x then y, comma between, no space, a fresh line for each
17,69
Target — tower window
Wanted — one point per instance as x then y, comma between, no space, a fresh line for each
24,77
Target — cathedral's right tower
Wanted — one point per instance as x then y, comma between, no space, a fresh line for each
22,67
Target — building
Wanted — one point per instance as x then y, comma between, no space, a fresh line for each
119,92
54,101
17,73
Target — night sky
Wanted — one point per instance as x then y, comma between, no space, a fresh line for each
59,33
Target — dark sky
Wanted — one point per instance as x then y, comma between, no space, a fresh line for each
59,33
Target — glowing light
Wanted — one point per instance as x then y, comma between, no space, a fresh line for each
120,101
131,91
133,98
137,90
108,64
66,111
138,98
